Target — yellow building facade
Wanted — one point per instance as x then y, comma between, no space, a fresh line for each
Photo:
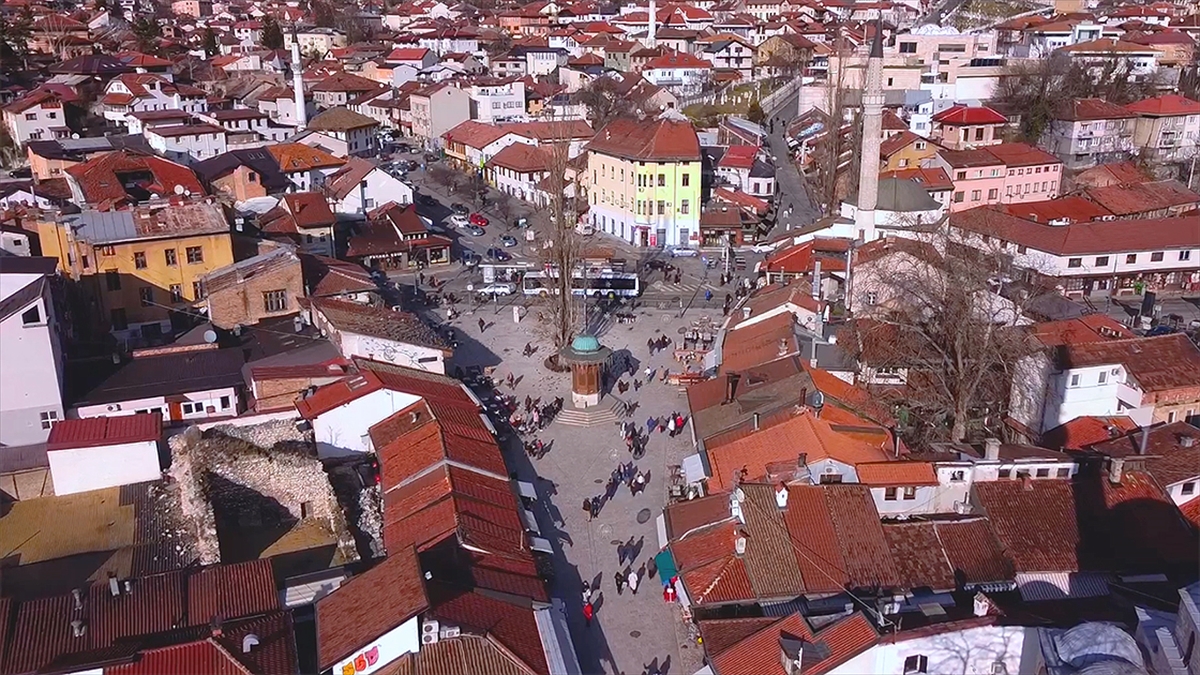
643,182
139,266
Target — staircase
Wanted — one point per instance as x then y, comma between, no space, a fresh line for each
610,411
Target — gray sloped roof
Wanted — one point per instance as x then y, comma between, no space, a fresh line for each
904,196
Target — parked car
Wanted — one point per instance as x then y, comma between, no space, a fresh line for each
460,209
479,219
403,148
430,158
474,230
426,200
459,221
508,241
763,248
683,252
498,288
498,254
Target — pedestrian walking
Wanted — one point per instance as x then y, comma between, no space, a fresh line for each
621,554
639,482
619,581
707,295
650,424
671,425
632,580
596,502
421,279
588,613
482,324
587,591
587,508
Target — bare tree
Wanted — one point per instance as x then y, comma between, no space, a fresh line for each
930,308
829,153
604,101
563,252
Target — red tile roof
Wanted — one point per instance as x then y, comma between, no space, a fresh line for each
1113,237
368,605
661,140
293,157
960,115
738,157
733,454
513,626
1066,209
103,177
1021,154
206,656
896,474
933,180
1081,432
758,653
1169,105
1089,328
99,431
1167,459
1191,511
1158,365
521,158
1142,198
188,598
1086,109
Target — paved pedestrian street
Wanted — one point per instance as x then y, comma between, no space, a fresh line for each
630,633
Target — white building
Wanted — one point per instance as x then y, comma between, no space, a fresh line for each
134,92
188,143
342,132
360,186
967,646
379,334
39,115
497,100
104,452
30,351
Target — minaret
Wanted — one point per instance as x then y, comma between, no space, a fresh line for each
872,138
298,86
652,27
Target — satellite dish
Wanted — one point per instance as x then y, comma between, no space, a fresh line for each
179,189
187,192
210,336
739,496
76,136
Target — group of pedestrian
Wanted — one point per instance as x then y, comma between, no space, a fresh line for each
658,344
629,578
673,424
529,350
635,442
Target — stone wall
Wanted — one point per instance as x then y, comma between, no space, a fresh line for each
240,468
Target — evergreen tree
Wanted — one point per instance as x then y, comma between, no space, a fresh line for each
210,42
272,34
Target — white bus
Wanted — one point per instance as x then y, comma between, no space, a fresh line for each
597,283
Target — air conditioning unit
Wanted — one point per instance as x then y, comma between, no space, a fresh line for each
429,632
890,608
449,632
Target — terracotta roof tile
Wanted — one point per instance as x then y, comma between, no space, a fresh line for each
1116,236
402,327
896,473
1167,458
1165,106
958,115
98,431
368,605
973,551
511,625
758,654
1142,198
661,140
205,656
294,157
1158,365
820,557
860,536
1082,432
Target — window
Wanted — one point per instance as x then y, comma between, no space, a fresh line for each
117,318
146,293
170,257
1185,255
993,193
176,293
31,316
49,418
684,207
195,255
910,492
685,179
139,260
1101,261
890,81
908,48
1074,262
224,402
662,180
1022,250
1062,472
889,494
1188,488
275,301
112,280
252,177
1130,258
83,260
1043,473
1103,377
1075,380
1157,256
662,208
979,134
197,290
917,663
191,408
1170,417
958,197
30,117
960,175
975,195
1005,473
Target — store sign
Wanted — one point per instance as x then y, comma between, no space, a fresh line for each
391,646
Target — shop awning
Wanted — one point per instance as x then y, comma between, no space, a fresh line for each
666,566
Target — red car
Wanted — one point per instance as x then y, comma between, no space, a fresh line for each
478,219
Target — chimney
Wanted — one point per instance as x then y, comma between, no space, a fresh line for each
816,281
78,628
1116,467
414,416
77,596
739,546
895,443
214,626
783,347
731,381
781,496
114,586
745,313
1143,440
982,604
1026,481
1187,441
991,449
755,417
